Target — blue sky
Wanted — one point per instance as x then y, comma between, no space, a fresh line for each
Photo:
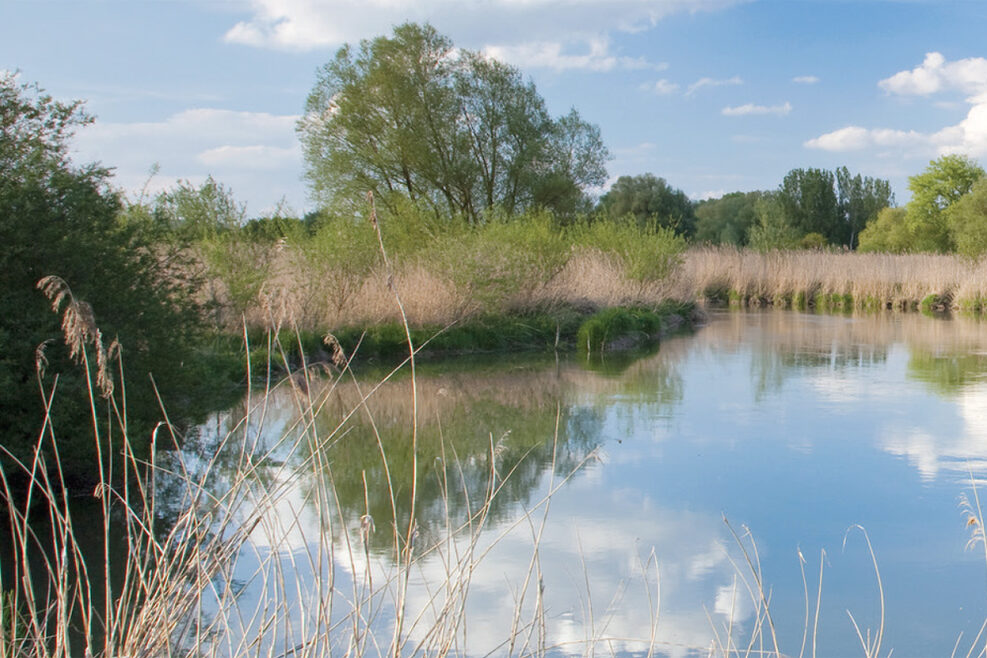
712,95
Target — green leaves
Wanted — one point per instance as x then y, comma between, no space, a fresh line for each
58,219
651,203
413,119
933,191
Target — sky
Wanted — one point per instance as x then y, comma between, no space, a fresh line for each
714,96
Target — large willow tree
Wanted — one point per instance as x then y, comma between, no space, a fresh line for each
411,117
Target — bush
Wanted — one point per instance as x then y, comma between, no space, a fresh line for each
647,255
968,221
337,260
58,219
889,232
608,326
504,258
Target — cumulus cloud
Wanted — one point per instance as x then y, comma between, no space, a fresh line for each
805,79
255,153
595,55
712,82
855,138
751,109
307,24
935,75
661,87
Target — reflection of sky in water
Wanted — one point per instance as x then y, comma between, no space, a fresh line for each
795,426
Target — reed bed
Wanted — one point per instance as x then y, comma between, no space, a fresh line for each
837,279
296,292
298,295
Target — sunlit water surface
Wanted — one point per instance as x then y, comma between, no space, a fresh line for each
799,427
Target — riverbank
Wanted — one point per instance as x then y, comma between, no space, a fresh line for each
564,328
832,280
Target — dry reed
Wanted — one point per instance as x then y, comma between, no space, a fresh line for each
874,280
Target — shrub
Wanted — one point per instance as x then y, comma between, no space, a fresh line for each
647,255
504,258
968,221
602,329
58,219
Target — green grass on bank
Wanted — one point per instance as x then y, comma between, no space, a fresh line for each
563,329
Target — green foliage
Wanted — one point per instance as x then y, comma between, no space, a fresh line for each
835,205
968,221
612,326
647,255
484,333
773,229
942,183
411,118
242,264
651,203
727,220
813,241
338,258
58,219
189,213
276,228
808,199
860,200
411,228
888,232
504,257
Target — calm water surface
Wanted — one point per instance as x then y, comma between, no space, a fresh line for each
796,426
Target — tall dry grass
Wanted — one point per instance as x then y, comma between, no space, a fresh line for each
296,294
874,280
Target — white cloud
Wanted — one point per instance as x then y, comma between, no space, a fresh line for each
855,138
661,87
935,75
255,153
751,109
256,157
805,79
708,194
712,82
313,24
553,55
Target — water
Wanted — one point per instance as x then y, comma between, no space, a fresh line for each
815,432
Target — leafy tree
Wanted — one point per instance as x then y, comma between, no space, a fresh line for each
860,199
652,202
808,200
727,220
942,183
60,219
888,231
773,229
411,117
968,221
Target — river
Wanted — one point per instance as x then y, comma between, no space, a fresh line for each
628,491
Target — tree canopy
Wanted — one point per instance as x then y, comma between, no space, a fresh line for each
652,202
943,182
927,223
727,220
63,220
412,117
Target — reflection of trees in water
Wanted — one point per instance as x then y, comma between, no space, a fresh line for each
948,354
947,373
492,425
